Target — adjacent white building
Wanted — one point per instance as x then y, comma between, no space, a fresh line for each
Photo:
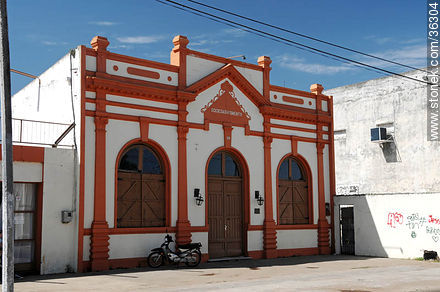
387,194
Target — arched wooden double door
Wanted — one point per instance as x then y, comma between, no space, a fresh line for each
225,206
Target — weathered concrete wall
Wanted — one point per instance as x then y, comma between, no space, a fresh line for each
408,164
400,178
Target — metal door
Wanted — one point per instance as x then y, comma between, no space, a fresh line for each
347,230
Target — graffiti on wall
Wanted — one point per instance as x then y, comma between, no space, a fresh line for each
416,224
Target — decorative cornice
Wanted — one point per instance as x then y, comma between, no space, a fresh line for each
294,115
118,87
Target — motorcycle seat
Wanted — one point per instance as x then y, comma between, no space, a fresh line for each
190,245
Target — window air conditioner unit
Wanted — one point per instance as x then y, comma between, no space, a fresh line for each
379,135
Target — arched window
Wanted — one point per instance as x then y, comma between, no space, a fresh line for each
141,188
293,193
224,165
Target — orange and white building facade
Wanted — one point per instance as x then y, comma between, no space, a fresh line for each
150,136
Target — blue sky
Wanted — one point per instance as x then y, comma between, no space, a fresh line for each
41,32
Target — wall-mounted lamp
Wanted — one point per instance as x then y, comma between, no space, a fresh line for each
327,209
198,196
259,198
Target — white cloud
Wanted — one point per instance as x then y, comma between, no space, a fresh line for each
103,23
52,43
379,40
209,42
49,43
157,55
233,32
140,39
119,47
299,64
412,41
413,55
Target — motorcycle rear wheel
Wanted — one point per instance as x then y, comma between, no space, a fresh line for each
155,259
197,255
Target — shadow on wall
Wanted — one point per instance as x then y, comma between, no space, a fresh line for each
390,151
367,241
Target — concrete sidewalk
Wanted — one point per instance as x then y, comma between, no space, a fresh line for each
308,273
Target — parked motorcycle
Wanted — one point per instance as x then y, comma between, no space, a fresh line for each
188,253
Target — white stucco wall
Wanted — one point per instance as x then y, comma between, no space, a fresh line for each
397,226
26,171
200,145
50,98
255,240
201,237
255,77
289,239
59,240
254,157
134,245
89,171
197,68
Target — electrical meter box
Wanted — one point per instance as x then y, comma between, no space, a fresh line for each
66,216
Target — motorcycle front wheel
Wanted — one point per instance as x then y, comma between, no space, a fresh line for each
155,259
196,257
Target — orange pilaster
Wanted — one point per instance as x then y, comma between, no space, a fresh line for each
323,226
99,240
183,232
269,226
269,231
99,234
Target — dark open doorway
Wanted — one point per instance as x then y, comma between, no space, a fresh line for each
347,229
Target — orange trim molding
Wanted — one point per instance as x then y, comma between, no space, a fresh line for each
144,127
26,153
227,135
293,99
143,73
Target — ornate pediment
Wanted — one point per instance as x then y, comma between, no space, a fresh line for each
225,107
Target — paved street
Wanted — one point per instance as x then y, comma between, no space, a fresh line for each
308,273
